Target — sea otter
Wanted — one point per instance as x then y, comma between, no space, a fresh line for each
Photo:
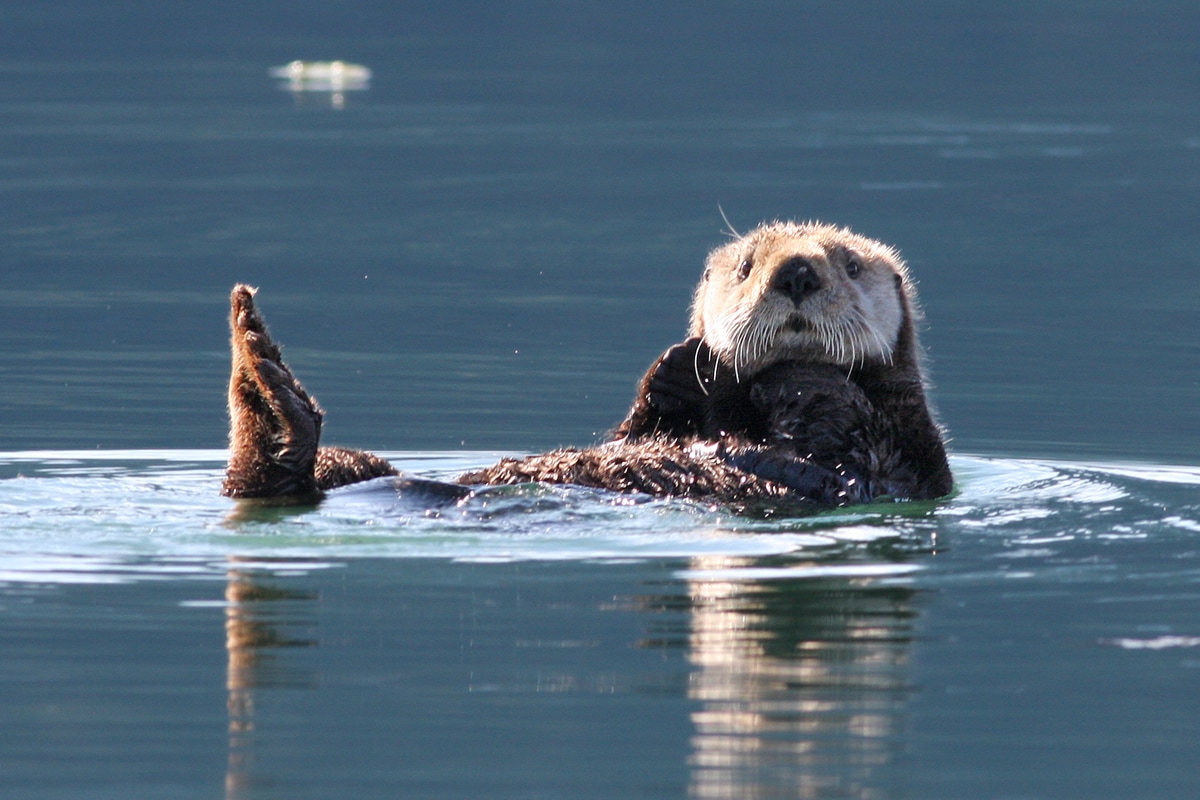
800,384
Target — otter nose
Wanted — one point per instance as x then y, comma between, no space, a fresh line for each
797,279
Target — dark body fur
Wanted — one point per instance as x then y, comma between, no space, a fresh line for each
794,433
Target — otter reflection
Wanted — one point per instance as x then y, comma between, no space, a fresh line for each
258,620
795,687
801,683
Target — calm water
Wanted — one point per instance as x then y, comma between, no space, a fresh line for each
481,252
1035,636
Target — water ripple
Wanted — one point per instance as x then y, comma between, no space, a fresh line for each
130,515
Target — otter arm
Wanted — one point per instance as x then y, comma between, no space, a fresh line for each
881,447
814,416
921,471
685,393
671,398
274,425
814,409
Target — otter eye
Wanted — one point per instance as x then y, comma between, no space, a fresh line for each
744,270
853,267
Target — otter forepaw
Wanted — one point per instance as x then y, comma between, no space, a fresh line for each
681,380
672,397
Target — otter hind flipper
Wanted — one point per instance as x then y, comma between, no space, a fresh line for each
274,425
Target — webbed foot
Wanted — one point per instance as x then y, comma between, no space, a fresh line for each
274,426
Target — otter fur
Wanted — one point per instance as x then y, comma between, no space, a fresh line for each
800,384
804,338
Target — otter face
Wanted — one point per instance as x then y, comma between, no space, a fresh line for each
810,292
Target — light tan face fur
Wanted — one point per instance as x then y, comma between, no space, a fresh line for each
849,311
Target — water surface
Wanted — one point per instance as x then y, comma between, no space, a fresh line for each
529,640
480,253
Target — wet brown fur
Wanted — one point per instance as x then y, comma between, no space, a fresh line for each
805,412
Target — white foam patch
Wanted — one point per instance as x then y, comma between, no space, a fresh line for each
799,571
1157,643
1187,476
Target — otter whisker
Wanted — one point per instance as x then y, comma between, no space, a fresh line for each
736,354
833,343
696,368
884,350
869,334
856,331
744,326
767,341
764,340
750,341
732,230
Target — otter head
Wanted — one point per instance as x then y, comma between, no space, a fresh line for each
810,292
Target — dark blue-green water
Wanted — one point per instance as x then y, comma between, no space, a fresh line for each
482,251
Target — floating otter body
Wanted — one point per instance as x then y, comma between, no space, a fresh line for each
800,384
